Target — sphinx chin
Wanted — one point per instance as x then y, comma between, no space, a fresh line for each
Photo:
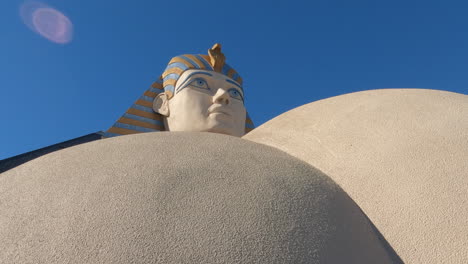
222,127
225,131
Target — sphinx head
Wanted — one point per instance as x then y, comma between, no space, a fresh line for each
202,93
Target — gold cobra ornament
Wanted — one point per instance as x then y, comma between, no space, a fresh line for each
217,58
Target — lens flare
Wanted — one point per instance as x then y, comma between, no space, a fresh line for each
47,22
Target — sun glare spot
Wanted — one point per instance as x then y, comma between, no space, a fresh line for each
47,22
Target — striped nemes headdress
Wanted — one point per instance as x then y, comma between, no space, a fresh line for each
140,117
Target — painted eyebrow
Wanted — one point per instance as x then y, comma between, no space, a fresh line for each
229,81
193,73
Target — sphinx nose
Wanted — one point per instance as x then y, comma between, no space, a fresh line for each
221,97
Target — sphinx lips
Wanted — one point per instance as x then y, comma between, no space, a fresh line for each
219,110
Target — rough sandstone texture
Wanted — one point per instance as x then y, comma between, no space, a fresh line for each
183,198
401,154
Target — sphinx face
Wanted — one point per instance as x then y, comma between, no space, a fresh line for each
207,101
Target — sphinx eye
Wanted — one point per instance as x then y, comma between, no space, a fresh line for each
234,93
200,83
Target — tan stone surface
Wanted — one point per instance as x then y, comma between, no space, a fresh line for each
179,198
401,154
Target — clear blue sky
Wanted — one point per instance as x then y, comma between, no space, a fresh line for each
289,53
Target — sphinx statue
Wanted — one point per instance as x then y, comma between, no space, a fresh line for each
195,93
370,177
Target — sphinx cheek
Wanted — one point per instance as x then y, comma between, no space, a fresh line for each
240,117
189,111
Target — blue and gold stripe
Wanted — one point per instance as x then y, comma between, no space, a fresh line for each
140,117
204,61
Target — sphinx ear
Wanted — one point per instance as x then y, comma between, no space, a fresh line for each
161,104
